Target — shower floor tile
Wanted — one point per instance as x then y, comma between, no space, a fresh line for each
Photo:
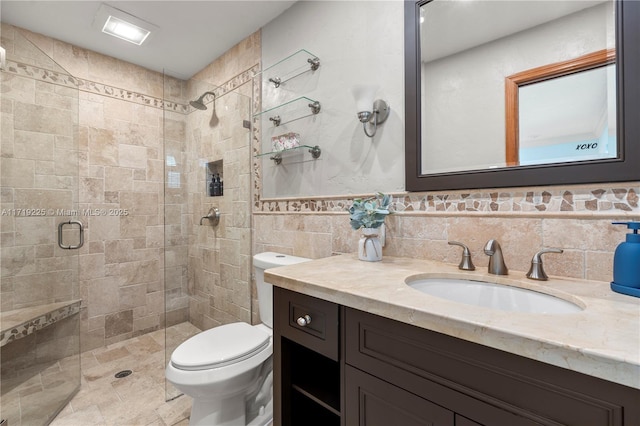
135,400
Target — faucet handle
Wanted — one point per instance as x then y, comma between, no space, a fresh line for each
465,264
536,272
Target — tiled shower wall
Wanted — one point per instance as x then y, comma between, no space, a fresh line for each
39,172
219,258
121,168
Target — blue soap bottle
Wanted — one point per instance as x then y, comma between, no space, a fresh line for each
626,263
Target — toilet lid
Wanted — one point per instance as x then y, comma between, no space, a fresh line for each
220,346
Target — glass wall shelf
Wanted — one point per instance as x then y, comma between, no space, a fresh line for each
277,156
292,66
292,110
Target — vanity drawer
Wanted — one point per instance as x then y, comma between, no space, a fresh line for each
309,321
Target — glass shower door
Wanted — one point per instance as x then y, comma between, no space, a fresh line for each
207,263
40,235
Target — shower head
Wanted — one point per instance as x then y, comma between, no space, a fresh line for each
199,104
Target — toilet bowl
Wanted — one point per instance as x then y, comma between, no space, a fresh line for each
227,370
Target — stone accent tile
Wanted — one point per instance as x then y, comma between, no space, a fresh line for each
17,172
103,296
431,228
91,190
132,296
41,119
110,355
592,235
599,265
132,156
133,227
118,179
33,146
118,323
103,149
118,251
139,203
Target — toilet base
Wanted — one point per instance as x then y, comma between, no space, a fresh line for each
227,412
265,417
230,412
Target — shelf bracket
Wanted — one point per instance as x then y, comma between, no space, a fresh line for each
314,62
276,120
315,107
277,159
315,152
276,81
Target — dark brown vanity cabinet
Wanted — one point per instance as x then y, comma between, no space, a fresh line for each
307,367
387,373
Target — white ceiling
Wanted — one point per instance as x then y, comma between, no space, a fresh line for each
191,33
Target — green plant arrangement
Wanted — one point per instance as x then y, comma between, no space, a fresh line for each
370,212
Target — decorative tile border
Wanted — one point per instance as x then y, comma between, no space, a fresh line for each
23,322
67,80
538,201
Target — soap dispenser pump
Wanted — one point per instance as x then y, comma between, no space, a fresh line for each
626,263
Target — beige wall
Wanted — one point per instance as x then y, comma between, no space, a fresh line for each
575,218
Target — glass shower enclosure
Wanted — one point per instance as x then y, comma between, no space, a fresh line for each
208,157
41,231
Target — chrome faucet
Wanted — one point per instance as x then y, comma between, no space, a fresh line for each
213,216
465,263
496,260
536,272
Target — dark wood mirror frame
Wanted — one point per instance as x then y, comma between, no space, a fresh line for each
624,168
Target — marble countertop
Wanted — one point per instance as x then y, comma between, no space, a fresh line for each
602,340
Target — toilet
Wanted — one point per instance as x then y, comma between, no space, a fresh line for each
227,370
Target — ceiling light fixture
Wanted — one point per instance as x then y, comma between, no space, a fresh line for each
125,30
122,25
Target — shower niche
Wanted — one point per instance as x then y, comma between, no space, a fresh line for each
214,182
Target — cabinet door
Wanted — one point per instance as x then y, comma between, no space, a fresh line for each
373,402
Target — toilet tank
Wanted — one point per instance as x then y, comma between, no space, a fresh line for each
264,261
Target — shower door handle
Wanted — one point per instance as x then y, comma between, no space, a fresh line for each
60,229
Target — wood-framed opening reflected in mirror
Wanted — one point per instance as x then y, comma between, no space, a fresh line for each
514,82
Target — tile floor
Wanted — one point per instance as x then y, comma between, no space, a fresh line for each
136,400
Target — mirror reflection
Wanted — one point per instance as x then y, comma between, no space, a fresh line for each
565,119
464,105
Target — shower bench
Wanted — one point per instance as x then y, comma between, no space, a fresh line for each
19,323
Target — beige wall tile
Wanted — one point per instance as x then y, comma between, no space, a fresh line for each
103,149
132,156
42,119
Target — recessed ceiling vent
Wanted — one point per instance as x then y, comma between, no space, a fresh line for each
122,25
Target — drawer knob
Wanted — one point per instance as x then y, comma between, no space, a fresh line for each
304,320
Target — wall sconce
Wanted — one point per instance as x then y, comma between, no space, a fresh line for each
368,109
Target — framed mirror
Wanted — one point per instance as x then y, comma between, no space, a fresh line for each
483,105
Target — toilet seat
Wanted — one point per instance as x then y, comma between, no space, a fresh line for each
220,346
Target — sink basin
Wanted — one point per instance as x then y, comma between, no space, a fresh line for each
495,296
